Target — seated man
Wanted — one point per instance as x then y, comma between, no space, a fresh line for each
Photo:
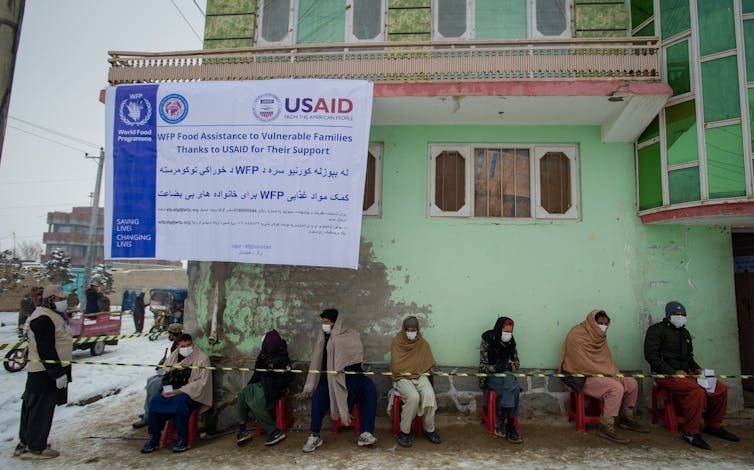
339,348
183,391
264,389
668,350
586,352
154,383
411,360
498,354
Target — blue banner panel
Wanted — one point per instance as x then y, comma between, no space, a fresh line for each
134,172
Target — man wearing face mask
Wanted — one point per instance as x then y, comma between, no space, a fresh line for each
46,384
497,354
411,360
183,390
668,350
339,348
585,351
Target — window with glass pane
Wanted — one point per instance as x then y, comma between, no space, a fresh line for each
680,131
648,30
370,182
555,182
716,31
450,181
726,175
652,130
501,183
641,10
674,17
684,185
720,85
275,19
748,6
679,75
367,18
750,92
451,18
500,19
551,17
650,177
749,49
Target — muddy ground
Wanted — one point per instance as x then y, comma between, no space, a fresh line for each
547,445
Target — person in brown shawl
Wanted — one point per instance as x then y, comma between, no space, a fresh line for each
339,348
411,361
585,351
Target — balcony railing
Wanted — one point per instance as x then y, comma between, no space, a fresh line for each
594,58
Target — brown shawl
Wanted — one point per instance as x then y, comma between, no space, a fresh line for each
585,350
413,357
199,386
343,349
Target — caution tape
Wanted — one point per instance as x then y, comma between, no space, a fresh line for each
84,340
390,374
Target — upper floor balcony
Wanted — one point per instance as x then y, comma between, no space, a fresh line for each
610,82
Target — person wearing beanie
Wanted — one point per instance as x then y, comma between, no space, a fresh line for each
340,349
668,350
411,362
46,383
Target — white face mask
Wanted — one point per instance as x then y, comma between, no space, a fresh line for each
603,328
61,305
506,336
678,320
411,335
326,328
185,352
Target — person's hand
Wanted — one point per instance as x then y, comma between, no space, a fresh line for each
61,382
681,372
306,393
171,393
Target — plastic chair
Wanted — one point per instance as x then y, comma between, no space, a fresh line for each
417,425
583,413
669,410
283,415
169,434
355,421
489,413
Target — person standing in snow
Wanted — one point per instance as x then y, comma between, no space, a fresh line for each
46,383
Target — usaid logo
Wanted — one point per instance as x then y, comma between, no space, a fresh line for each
267,107
173,108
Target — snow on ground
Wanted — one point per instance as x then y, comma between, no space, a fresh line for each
88,380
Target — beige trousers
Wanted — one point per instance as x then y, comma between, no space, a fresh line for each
418,400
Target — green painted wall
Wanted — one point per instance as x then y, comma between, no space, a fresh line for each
460,274
500,19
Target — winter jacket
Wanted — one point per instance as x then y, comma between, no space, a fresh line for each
92,300
668,349
275,384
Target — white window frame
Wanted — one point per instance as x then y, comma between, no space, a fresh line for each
350,37
572,154
532,14
470,26
290,38
376,149
465,151
536,152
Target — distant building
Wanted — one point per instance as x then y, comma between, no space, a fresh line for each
69,231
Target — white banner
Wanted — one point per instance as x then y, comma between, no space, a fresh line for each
265,171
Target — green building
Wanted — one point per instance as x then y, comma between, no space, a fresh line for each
530,158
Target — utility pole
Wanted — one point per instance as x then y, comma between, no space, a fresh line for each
91,245
14,244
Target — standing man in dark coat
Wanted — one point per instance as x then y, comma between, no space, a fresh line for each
668,350
138,312
46,384
29,302
92,298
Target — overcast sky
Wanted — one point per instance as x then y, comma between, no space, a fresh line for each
60,68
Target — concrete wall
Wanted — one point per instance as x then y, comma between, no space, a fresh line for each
458,275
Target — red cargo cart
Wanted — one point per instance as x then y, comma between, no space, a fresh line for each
89,325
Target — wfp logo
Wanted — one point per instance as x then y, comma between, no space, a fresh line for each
135,110
173,108
267,107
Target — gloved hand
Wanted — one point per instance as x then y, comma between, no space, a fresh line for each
61,382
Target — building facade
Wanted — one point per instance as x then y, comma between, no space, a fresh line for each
69,231
501,180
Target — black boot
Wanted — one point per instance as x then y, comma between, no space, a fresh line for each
511,432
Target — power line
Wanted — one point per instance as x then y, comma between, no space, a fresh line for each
53,131
199,8
47,139
187,21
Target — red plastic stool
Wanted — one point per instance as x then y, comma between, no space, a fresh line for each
169,434
417,425
355,422
283,415
489,413
669,410
582,413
